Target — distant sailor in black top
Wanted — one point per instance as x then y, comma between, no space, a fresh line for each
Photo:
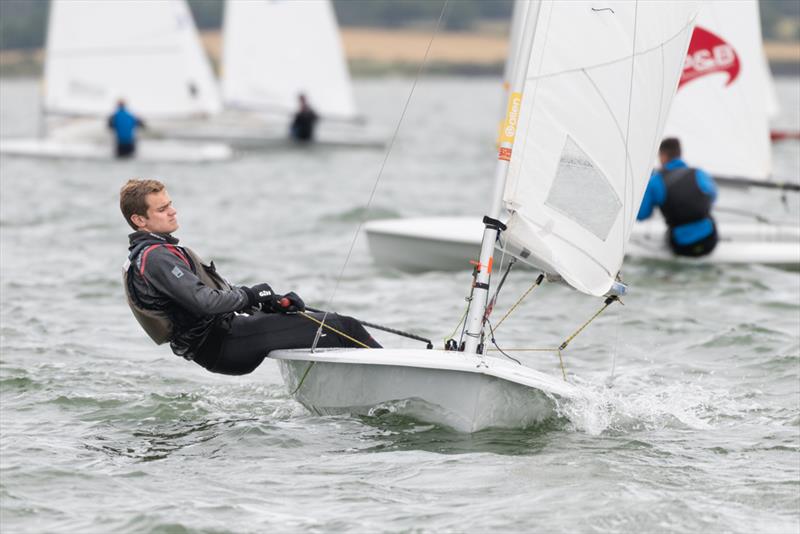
178,298
304,121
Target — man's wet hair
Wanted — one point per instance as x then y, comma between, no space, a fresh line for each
670,147
133,197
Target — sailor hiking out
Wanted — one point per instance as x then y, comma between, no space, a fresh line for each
178,298
685,196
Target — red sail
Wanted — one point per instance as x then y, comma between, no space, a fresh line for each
708,54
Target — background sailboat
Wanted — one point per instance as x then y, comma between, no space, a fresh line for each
721,114
591,89
147,53
726,94
275,50
272,52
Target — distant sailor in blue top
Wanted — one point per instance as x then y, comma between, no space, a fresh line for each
124,125
685,196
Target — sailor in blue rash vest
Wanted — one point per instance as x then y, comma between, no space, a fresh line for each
685,196
178,298
124,125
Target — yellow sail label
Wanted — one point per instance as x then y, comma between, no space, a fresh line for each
512,117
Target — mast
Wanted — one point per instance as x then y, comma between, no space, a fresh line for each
477,305
518,11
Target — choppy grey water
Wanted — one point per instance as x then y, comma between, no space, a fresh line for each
697,378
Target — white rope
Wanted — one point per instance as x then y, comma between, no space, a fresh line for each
380,175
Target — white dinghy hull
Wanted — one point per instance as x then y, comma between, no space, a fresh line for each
275,136
146,150
449,243
454,389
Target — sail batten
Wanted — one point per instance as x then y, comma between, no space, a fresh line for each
598,89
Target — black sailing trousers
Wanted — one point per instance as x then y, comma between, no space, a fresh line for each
696,249
241,346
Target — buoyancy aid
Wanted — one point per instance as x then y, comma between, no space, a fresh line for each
156,323
685,202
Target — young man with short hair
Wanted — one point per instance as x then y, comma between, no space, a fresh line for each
178,298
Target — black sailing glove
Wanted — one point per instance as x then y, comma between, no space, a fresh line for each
261,295
289,303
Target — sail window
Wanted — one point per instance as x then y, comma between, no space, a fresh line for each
581,192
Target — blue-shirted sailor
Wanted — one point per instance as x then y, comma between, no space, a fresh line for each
685,196
124,125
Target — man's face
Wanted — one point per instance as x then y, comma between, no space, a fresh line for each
161,217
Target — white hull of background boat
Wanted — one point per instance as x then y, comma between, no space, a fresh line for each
270,136
146,150
449,243
740,243
462,391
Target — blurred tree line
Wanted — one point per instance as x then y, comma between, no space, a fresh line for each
23,22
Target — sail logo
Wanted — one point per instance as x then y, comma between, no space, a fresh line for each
512,118
708,54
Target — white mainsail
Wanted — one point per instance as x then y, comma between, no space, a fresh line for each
598,89
276,49
726,96
146,52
